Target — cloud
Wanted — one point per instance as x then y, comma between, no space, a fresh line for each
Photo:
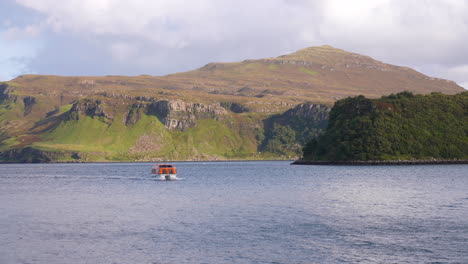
165,36
15,33
459,72
174,23
408,31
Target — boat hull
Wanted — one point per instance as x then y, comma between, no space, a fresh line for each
168,177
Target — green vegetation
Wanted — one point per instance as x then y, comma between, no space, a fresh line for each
399,126
7,143
273,67
91,134
281,140
213,139
286,133
92,138
308,71
64,108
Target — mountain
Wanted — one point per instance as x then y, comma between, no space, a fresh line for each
396,127
260,109
320,74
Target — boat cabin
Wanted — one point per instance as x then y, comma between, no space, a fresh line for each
165,171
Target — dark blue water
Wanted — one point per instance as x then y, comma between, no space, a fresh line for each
236,212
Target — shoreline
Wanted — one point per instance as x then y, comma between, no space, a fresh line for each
296,162
167,161
381,162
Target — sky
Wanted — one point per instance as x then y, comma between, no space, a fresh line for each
159,37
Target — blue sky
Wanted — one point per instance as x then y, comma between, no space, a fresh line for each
110,37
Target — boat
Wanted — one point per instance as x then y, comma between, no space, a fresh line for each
165,171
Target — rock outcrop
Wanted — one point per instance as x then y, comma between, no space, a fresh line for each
5,95
28,102
235,107
134,114
92,108
286,133
175,114
181,115
317,112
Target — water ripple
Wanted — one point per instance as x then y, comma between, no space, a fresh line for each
233,212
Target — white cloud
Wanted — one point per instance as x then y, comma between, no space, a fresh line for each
174,23
123,51
15,33
17,47
406,31
459,72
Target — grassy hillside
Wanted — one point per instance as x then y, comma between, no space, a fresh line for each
148,139
401,126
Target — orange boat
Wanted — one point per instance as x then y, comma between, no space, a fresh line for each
165,171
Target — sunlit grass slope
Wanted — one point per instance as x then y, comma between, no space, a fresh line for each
148,139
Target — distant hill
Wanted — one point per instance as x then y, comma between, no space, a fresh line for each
249,109
320,74
396,127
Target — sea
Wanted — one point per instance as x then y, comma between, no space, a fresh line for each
233,212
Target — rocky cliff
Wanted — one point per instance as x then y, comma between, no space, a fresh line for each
92,108
309,111
287,132
174,114
182,115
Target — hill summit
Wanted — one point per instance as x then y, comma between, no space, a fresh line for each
322,74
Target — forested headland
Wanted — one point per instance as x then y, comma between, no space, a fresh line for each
400,126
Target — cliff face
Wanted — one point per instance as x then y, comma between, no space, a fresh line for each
92,108
174,114
287,132
16,110
182,115
309,111
5,94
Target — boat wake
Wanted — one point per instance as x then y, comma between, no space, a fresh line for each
159,179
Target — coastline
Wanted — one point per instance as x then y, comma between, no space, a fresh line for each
381,162
139,161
